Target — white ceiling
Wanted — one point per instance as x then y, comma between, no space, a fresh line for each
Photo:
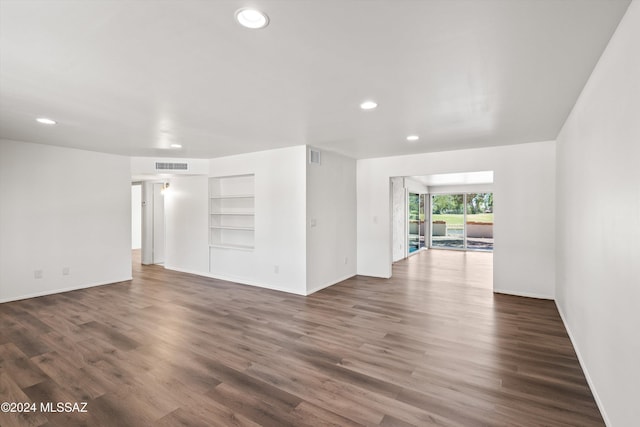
131,77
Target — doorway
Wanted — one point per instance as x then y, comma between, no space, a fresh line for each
153,222
446,211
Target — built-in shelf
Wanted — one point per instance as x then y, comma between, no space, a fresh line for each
232,212
233,196
230,246
225,227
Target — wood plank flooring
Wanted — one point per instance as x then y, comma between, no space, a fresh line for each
431,346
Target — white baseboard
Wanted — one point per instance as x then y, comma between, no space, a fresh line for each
243,281
584,368
62,290
523,294
373,275
238,280
330,283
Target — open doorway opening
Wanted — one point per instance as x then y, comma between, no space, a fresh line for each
410,217
442,211
152,223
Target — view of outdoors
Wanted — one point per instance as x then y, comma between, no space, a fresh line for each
416,222
448,225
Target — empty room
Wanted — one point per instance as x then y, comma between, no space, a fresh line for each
319,213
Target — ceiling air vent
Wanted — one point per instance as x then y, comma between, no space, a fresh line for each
161,166
314,156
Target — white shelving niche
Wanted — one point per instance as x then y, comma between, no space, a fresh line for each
232,212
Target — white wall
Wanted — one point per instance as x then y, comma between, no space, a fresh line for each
598,275
280,218
62,208
280,221
290,254
524,182
186,224
136,216
144,169
331,221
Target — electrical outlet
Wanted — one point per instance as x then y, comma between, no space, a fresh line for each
37,274
276,269
65,271
346,260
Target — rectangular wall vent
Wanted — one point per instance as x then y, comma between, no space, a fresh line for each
314,156
161,166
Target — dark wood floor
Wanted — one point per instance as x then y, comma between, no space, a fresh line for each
432,346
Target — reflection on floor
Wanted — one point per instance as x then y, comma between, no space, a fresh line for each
457,242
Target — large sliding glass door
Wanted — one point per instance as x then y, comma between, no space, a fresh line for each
447,221
479,230
462,221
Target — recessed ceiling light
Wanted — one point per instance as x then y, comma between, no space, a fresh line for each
45,121
368,105
252,18
175,146
413,138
